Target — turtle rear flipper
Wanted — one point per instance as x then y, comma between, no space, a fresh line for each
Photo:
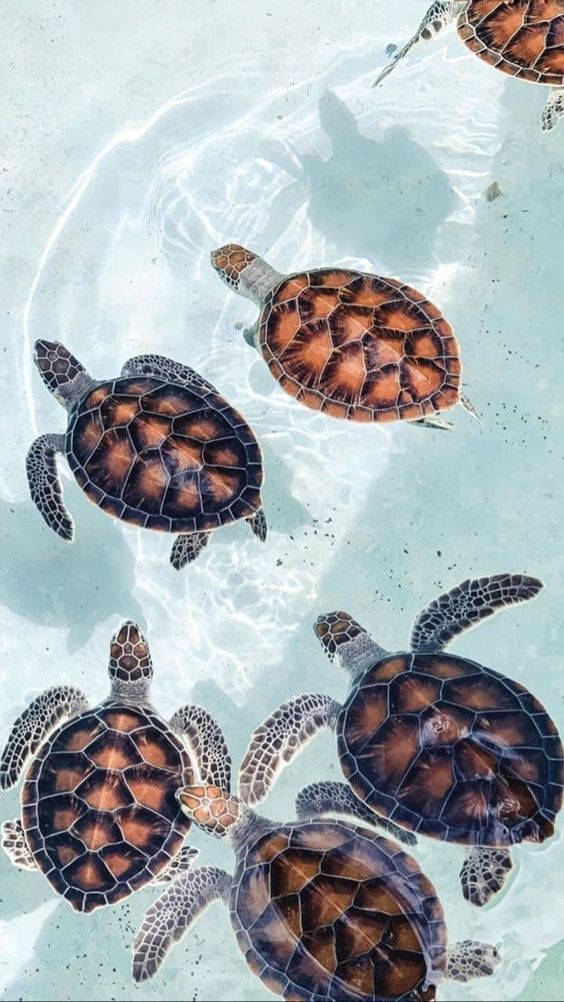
45,484
320,799
484,873
554,108
170,916
469,959
279,739
466,605
187,547
258,526
33,727
16,847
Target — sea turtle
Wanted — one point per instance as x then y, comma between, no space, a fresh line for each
322,909
522,37
99,814
430,741
158,447
349,344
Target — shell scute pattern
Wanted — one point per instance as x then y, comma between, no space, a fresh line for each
360,347
523,37
99,807
451,749
326,910
163,456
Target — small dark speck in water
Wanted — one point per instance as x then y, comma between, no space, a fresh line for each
493,191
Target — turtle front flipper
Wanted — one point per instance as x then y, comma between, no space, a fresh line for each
169,918
484,873
320,799
466,605
258,525
165,368
554,108
178,865
187,547
280,738
16,847
33,727
206,744
45,484
440,14
469,959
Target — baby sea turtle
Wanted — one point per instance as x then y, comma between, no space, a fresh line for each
522,37
435,743
158,447
349,344
321,909
99,812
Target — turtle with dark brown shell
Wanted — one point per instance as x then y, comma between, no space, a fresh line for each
349,344
158,447
431,742
524,38
99,815
321,909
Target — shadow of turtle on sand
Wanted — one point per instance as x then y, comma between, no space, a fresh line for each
37,567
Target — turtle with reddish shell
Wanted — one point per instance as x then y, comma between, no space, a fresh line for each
431,742
321,909
349,344
99,815
157,447
524,38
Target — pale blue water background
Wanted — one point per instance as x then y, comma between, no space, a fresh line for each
135,139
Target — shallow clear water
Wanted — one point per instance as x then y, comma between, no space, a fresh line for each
278,142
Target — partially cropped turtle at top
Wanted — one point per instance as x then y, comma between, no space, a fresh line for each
349,344
433,742
157,447
524,38
99,812
321,909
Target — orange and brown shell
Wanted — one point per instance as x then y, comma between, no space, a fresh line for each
359,346
521,37
448,748
164,456
327,910
98,804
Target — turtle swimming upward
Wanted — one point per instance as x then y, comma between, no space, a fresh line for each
522,37
349,344
99,813
430,741
158,447
321,909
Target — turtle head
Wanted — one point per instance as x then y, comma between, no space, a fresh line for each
212,809
61,372
130,667
346,643
245,272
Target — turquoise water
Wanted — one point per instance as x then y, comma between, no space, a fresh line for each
278,142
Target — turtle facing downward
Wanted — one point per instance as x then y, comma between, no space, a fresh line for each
321,909
99,813
435,743
158,447
349,344
522,37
